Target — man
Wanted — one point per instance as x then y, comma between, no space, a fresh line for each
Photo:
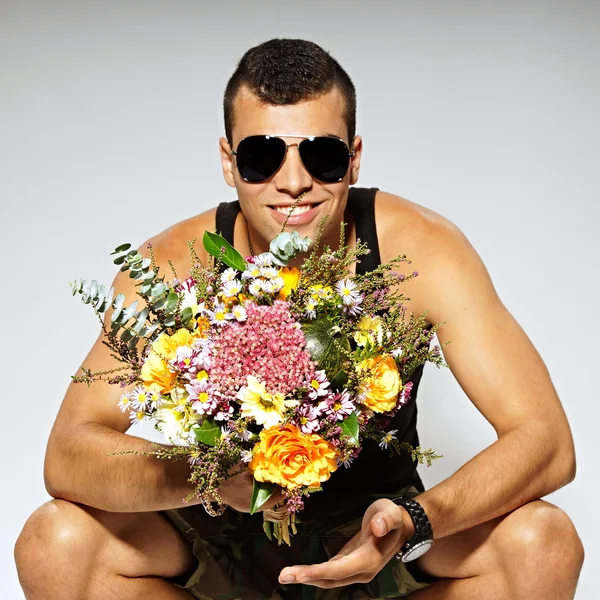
111,531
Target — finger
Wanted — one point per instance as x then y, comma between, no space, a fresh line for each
350,565
388,518
336,583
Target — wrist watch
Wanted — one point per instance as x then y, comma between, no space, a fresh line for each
422,540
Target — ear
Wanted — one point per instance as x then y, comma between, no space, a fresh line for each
226,161
355,161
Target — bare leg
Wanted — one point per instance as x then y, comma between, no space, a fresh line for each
71,552
532,553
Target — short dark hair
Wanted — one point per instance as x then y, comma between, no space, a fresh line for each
288,71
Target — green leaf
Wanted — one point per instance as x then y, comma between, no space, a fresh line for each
350,427
159,289
140,320
120,259
145,289
261,492
339,381
213,243
172,300
128,312
127,335
209,433
186,315
121,248
119,302
160,303
149,276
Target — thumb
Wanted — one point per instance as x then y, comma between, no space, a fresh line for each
387,519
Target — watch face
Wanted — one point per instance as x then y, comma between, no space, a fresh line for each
417,551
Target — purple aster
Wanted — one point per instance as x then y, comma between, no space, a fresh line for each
306,418
318,385
337,406
201,397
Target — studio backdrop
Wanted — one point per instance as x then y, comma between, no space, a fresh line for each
486,112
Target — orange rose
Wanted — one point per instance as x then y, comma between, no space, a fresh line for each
289,458
291,277
380,387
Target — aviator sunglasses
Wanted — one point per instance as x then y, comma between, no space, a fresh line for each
259,157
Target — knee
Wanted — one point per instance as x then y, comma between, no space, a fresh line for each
54,534
541,532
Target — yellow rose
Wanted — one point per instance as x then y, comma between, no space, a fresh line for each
380,387
291,277
370,329
289,458
155,369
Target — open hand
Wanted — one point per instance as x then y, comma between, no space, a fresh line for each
385,528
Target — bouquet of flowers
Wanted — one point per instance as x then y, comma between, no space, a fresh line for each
250,364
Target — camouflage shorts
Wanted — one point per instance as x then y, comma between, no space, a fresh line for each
236,561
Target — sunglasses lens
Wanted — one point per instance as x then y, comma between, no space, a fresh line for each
325,158
259,157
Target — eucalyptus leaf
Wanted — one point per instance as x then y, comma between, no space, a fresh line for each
141,320
149,275
160,303
119,301
209,433
350,427
121,248
145,288
261,492
124,268
146,262
120,259
170,322
129,312
159,289
126,335
215,243
99,302
93,288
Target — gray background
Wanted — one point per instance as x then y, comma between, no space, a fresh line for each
486,112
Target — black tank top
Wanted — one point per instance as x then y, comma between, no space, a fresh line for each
374,471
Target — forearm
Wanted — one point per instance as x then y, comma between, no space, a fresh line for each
525,463
80,468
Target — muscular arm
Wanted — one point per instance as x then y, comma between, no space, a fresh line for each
502,373
90,426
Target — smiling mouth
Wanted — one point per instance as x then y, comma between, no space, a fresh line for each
298,210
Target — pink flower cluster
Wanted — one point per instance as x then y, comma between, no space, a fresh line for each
269,345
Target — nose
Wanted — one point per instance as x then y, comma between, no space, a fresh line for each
292,178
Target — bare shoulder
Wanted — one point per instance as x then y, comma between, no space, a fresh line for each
438,250
172,243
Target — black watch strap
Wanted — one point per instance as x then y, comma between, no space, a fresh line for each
423,531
